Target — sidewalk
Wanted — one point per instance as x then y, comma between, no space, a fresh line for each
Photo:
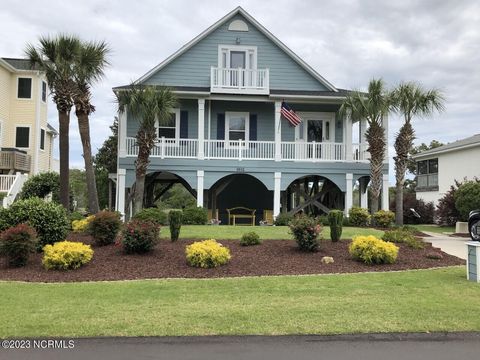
451,245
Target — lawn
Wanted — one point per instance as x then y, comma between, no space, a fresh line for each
265,232
419,301
435,228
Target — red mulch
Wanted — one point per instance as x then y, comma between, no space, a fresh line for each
272,257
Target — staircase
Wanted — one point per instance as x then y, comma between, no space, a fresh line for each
10,187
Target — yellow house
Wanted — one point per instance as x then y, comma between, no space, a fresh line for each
26,139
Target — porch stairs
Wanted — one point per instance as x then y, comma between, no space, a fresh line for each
10,187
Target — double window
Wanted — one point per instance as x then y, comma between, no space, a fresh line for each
237,127
237,56
170,129
24,88
427,175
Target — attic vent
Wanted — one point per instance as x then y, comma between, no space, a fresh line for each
238,25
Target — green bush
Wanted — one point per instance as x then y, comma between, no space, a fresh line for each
335,219
49,219
383,218
305,231
283,219
403,236
195,216
358,216
41,185
76,215
155,215
104,227
17,243
372,250
140,236
175,218
323,219
467,198
250,238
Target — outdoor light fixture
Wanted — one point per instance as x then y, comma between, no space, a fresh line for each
237,40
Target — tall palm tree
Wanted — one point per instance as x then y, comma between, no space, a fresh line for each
147,104
372,106
56,56
410,99
89,68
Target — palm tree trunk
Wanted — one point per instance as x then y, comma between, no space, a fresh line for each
375,136
145,141
84,129
64,125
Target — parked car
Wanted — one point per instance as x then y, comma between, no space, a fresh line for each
474,224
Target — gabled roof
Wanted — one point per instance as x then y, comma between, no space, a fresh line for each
469,142
260,27
20,64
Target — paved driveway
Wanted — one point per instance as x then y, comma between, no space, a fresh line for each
451,245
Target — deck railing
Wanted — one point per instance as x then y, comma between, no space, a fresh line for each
239,81
15,160
251,150
6,182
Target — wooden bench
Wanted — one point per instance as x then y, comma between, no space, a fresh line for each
268,217
241,212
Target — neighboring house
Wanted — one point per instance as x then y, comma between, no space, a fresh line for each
227,141
437,169
26,139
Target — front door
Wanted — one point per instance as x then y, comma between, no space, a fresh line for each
237,61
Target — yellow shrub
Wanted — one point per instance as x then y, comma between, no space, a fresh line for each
80,226
66,255
207,254
372,250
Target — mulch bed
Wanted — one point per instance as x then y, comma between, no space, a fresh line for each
272,257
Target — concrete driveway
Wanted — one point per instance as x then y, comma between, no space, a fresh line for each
451,245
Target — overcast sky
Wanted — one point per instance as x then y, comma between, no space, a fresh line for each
436,43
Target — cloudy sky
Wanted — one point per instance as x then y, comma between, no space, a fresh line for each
435,42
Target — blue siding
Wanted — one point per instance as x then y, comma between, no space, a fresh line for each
193,67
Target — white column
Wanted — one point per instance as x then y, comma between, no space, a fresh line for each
201,128
348,193
120,196
276,193
278,131
385,126
200,177
122,133
347,136
362,129
363,193
385,198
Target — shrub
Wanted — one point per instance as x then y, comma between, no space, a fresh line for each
335,219
195,216
384,218
207,254
41,185
403,235
175,223
17,243
104,227
467,198
155,215
49,219
372,250
358,216
323,220
76,215
250,238
446,212
425,210
65,255
140,236
283,219
80,226
305,231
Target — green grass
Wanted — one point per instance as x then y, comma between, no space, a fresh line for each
418,301
265,232
435,228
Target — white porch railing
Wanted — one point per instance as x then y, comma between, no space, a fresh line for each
251,150
6,182
14,190
240,81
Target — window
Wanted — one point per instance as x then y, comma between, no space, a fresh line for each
22,137
237,56
24,88
427,175
236,127
44,91
42,139
171,128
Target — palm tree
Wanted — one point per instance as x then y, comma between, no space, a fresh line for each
373,107
148,104
89,68
56,57
411,100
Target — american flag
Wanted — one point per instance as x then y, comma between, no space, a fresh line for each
289,114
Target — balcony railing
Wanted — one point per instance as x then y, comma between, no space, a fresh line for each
240,81
251,150
13,159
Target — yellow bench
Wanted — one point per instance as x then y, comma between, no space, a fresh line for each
268,217
241,212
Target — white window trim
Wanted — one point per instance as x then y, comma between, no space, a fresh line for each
324,116
29,137
46,92
1,133
246,49
31,87
230,114
44,139
177,128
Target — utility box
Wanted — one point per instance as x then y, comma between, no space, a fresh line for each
473,261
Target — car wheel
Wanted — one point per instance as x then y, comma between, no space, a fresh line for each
475,230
